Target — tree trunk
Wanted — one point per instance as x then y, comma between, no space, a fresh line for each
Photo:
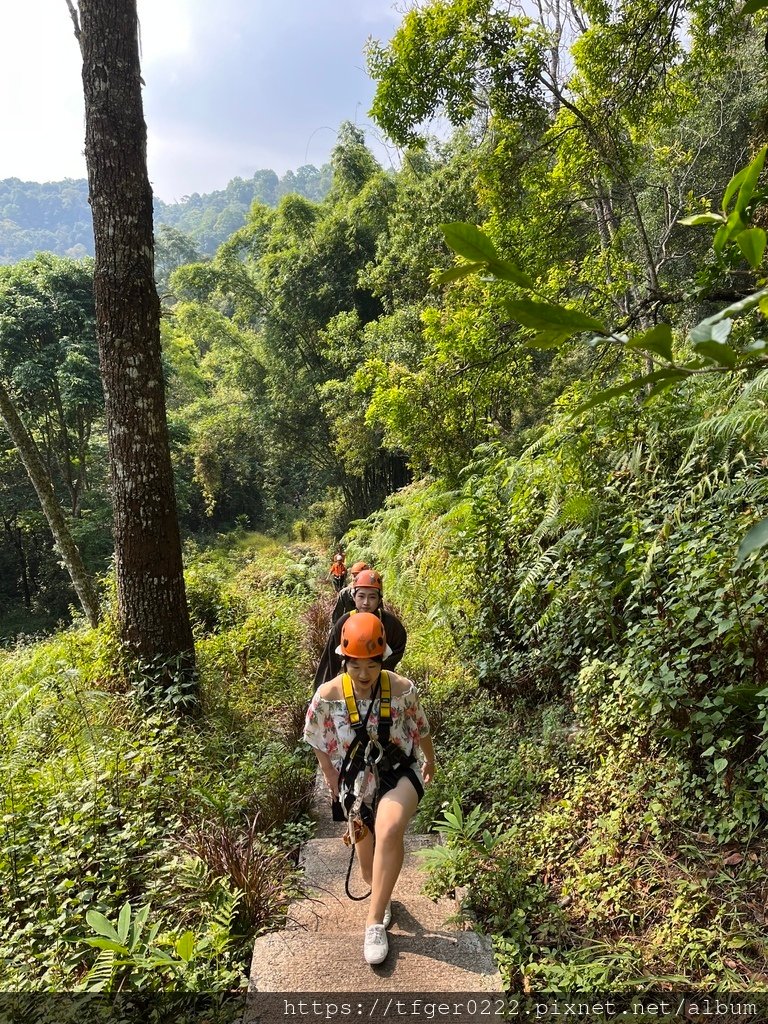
41,481
152,603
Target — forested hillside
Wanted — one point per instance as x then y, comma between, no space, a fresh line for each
525,377
55,216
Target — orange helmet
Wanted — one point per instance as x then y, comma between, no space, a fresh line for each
362,636
358,567
369,578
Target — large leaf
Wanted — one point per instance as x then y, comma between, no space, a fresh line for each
505,270
752,244
545,316
669,377
702,218
185,946
101,925
755,540
124,921
718,326
717,351
658,339
748,185
712,329
743,305
732,227
106,944
469,241
139,922
456,273
753,6
732,188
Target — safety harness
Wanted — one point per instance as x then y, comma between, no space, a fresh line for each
365,758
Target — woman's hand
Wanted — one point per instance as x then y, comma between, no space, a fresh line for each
332,781
428,769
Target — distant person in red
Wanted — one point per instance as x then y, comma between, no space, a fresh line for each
338,572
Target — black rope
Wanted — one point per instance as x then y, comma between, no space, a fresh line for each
357,899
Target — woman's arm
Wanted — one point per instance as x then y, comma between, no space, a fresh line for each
428,767
330,773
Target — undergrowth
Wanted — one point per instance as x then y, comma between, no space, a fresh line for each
186,831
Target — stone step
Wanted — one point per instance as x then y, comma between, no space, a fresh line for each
299,961
321,948
329,909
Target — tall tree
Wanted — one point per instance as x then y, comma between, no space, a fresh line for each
152,606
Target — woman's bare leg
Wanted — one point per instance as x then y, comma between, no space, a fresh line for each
364,852
395,810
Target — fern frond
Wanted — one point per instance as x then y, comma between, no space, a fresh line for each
100,976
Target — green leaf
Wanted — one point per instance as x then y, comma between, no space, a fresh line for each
547,317
106,944
670,376
711,329
747,189
469,241
732,226
743,305
100,924
185,946
124,921
717,351
702,218
752,244
755,540
720,764
658,339
456,273
139,922
756,345
732,188
505,270
662,385
753,6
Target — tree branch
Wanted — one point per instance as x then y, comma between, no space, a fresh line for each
76,22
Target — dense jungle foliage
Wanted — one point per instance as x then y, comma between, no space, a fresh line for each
560,541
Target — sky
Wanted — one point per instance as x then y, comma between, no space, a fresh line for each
232,86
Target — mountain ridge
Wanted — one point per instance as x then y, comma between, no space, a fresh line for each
55,216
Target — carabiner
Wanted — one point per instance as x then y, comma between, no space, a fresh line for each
372,743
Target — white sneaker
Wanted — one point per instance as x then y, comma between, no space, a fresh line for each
387,915
376,946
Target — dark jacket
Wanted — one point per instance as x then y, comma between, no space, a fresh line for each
330,663
345,602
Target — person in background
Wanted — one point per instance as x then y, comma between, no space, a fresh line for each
368,595
392,794
345,602
338,572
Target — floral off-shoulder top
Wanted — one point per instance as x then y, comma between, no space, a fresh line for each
327,725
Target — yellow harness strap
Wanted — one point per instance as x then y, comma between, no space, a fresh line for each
385,706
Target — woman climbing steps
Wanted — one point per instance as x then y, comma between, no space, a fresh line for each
395,726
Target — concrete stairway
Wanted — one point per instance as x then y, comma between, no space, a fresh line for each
321,948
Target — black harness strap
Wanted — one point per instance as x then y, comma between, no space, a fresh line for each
355,760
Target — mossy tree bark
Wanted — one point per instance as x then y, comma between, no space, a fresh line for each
152,603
